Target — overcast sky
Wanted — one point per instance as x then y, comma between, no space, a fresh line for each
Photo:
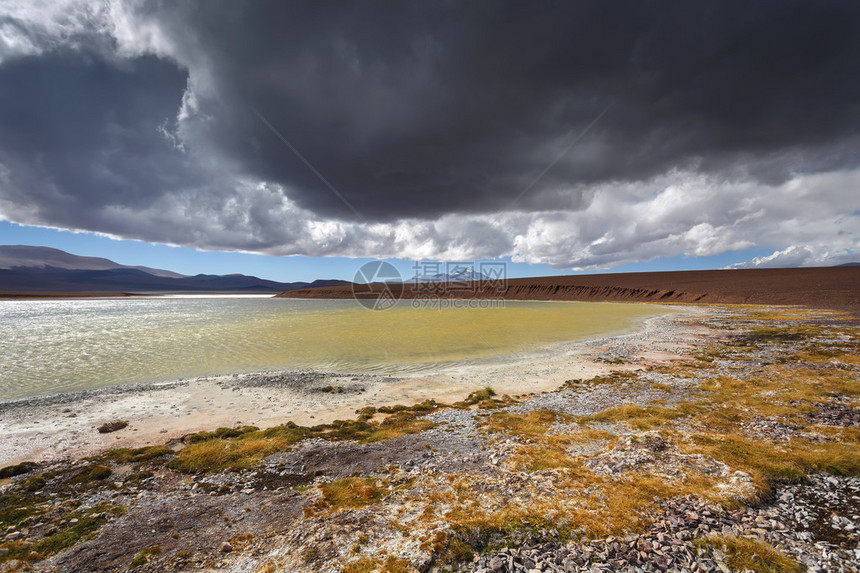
580,135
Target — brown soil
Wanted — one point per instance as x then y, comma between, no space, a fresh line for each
826,287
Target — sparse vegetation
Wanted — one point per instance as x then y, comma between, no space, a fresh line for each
137,478
640,417
34,483
544,456
457,552
744,554
242,448
135,455
81,525
218,455
142,558
485,399
240,542
14,508
391,564
17,469
768,463
528,425
90,473
219,434
351,493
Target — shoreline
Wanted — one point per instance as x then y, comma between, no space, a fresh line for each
63,426
40,295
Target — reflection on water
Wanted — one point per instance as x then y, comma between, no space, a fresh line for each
57,345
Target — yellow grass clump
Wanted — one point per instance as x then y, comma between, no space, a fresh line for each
222,455
742,554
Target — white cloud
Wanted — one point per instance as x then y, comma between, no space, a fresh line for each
30,27
816,216
688,214
817,255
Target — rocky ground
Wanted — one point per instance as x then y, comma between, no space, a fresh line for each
741,457
815,521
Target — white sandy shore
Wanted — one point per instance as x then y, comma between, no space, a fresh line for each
64,426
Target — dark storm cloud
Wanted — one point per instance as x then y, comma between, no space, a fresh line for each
418,109
457,128
80,134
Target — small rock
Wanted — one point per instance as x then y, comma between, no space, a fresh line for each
113,426
226,547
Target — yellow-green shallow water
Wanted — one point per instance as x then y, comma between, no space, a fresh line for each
49,346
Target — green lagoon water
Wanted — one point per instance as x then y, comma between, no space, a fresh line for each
49,346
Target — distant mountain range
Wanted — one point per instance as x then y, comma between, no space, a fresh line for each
42,269
26,268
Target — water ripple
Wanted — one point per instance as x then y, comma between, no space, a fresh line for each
58,345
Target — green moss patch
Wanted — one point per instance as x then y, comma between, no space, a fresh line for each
143,557
91,473
17,469
88,522
135,455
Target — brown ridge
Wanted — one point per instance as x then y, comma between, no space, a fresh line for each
822,287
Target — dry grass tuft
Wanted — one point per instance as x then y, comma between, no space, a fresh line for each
391,564
544,456
135,455
349,493
143,557
242,448
223,455
742,554
641,417
529,425
768,463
